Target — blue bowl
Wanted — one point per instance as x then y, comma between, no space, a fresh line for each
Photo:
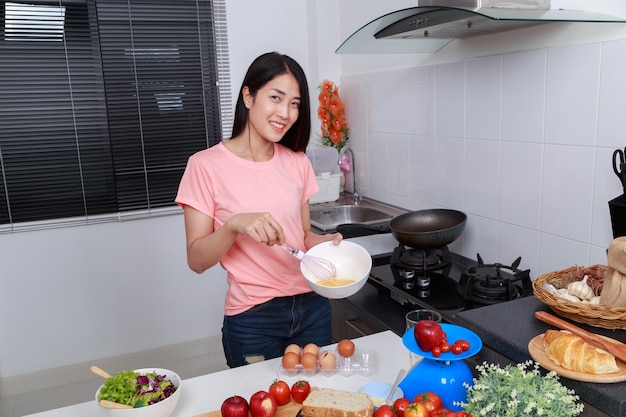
378,392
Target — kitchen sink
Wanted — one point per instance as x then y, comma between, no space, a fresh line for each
328,218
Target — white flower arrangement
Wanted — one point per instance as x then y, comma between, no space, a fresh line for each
519,390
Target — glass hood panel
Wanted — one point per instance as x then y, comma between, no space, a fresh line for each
428,29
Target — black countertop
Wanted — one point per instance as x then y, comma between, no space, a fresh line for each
508,328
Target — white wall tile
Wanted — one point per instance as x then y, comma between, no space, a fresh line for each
514,242
567,191
422,168
482,179
481,236
606,187
377,102
449,172
450,99
558,253
466,149
572,94
611,120
398,159
483,98
377,169
520,183
421,99
523,96
398,109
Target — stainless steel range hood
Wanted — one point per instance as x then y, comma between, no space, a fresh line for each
434,23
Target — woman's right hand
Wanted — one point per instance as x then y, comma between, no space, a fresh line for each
260,227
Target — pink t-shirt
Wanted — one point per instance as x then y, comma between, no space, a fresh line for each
220,184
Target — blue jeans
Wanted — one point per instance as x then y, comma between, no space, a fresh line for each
264,331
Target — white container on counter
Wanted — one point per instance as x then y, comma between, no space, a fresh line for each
329,188
327,173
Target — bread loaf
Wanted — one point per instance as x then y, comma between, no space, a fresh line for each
328,402
573,353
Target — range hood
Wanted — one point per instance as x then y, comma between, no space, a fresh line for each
434,23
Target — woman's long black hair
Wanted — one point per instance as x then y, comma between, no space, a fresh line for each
261,71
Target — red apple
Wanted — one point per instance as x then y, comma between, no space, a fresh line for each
262,404
428,334
235,406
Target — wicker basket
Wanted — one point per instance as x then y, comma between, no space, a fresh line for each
605,316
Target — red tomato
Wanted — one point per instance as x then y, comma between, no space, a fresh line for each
463,343
400,405
280,391
441,412
385,410
456,349
445,347
416,410
300,390
436,351
460,414
430,400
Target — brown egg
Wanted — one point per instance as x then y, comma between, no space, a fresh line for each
294,348
311,348
345,348
309,362
291,360
328,361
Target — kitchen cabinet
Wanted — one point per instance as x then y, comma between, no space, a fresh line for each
350,323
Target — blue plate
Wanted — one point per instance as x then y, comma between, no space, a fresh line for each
453,333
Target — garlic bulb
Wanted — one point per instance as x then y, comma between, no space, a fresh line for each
580,289
563,293
550,288
595,300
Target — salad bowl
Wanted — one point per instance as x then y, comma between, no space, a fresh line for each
163,408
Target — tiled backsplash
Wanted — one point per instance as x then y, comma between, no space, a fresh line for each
521,142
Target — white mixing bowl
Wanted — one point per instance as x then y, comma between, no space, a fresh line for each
352,262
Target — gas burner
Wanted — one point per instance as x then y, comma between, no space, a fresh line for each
412,268
421,260
486,284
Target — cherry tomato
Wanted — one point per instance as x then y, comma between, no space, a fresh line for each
385,410
416,410
460,414
464,344
456,349
445,347
280,391
436,351
442,412
430,400
400,405
300,390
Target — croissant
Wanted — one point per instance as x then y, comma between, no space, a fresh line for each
573,353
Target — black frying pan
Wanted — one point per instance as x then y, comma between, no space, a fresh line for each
428,228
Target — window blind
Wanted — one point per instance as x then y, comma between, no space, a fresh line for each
101,104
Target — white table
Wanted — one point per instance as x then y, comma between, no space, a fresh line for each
207,392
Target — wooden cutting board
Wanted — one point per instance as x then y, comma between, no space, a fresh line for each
290,409
537,352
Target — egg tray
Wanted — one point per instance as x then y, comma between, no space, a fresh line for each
362,362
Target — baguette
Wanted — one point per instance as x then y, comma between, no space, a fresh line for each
328,402
572,352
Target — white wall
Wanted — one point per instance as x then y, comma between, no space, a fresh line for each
515,129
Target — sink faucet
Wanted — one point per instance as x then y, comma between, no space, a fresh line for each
355,193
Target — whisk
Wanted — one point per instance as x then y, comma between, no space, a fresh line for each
320,268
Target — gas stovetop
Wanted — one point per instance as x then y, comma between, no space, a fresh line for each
453,283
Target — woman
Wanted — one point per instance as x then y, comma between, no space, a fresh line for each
247,196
